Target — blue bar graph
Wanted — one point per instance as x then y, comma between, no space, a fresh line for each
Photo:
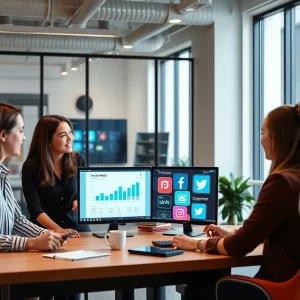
131,193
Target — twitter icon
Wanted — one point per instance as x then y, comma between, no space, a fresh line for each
201,184
199,211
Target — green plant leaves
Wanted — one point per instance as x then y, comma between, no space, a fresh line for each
235,197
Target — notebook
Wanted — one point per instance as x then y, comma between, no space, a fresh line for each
76,255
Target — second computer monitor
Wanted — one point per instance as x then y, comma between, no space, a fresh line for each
187,195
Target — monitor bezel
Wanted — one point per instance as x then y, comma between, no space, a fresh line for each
133,220
192,222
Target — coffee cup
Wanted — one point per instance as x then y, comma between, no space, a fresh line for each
116,239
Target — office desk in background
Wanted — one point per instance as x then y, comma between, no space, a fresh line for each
36,275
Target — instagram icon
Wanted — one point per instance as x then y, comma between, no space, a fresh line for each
164,185
179,213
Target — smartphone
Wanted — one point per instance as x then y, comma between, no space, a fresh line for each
154,251
66,236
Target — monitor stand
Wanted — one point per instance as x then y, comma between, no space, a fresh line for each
112,226
187,230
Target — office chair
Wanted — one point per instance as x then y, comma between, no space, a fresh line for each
242,287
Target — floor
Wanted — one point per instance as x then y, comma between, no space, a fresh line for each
140,294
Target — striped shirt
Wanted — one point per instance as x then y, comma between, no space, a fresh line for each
14,227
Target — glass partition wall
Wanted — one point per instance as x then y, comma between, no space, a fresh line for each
139,108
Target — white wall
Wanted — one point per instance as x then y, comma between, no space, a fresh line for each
216,50
136,101
202,41
228,87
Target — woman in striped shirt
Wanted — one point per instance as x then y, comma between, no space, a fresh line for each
16,232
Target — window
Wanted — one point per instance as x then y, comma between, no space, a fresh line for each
276,70
175,107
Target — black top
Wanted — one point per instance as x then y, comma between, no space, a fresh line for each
56,201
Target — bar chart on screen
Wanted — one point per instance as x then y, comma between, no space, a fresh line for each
130,193
113,195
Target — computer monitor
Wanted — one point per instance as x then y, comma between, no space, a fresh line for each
114,195
187,195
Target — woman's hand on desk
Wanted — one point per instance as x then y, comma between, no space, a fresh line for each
217,231
184,242
63,231
45,242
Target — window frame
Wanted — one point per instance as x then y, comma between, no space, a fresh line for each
258,75
162,107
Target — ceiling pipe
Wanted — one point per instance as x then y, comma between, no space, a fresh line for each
111,10
48,13
85,12
145,32
41,43
44,43
158,1
4,20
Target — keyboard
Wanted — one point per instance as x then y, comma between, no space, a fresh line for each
163,244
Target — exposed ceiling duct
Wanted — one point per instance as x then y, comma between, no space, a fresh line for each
85,12
40,43
152,21
111,10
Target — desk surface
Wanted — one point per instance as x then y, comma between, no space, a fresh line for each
31,267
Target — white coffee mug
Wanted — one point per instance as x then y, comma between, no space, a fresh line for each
117,239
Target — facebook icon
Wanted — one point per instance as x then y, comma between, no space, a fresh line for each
180,181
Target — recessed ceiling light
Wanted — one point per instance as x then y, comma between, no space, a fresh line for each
74,68
189,9
127,46
175,21
64,71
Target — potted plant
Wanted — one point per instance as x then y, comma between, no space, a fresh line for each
181,162
235,198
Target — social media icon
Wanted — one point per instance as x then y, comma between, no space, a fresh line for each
164,215
179,212
182,198
164,185
201,184
180,181
164,202
199,211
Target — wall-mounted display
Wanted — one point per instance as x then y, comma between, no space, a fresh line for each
107,140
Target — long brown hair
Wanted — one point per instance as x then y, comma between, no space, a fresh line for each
284,126
40,149
8,118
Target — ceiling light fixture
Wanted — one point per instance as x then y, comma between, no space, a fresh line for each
175,21
127,46
74,65
64,71
190,9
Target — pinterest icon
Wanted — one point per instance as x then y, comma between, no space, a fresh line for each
164,185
